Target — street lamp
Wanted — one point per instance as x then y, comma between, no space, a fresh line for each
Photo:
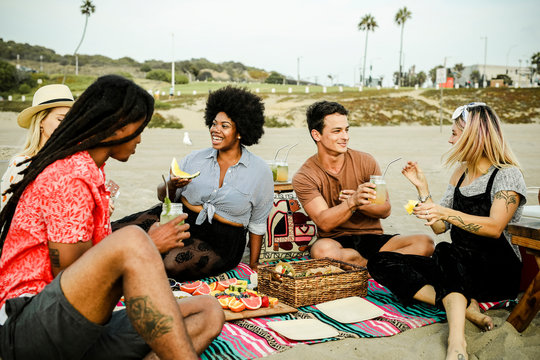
484,83
507,55
298,70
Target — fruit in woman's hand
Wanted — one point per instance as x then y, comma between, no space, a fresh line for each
175,171
410,206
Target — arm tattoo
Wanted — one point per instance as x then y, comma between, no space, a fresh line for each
469,227
54,255
147,319
507,197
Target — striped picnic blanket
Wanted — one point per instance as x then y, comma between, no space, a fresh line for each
252,338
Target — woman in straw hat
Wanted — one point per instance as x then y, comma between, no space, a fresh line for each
486,192
49,107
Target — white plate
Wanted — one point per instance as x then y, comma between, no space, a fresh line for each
180,294
303,329
350,310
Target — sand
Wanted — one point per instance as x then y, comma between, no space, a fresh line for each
139,177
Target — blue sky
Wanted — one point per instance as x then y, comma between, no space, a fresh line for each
273,34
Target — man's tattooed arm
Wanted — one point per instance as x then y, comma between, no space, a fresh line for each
146,318
469,227
508,197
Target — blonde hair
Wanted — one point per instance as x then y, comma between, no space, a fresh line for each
481,137
33,138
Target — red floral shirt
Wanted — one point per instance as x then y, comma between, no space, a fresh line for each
67,203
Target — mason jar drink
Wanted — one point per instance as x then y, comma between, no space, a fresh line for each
170,211
282,172
380,188
273,166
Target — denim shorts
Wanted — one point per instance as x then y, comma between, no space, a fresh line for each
47,326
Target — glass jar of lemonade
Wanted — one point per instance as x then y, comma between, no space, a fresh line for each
282,171
170,211
380,188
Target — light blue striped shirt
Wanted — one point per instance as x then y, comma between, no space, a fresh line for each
245,197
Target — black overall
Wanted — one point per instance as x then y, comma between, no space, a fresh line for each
479,267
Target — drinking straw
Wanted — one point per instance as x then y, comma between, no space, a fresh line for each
287,155
278,150
393,161
166,187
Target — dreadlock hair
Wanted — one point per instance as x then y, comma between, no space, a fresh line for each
241,106
107,105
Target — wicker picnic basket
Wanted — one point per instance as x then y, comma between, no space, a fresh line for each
315,289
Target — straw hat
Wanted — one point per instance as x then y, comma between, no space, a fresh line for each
46,97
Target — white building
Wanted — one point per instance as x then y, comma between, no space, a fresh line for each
519,75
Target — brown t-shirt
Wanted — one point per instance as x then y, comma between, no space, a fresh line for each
313,180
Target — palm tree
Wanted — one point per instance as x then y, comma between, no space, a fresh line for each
367,24
401,17
87,9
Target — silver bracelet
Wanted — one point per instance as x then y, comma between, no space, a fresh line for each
424,199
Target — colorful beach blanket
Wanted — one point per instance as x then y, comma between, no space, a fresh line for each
252,338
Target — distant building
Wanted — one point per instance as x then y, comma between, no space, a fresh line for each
520,75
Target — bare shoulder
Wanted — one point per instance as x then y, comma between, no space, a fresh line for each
457,174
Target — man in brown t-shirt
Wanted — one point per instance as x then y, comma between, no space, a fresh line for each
334,189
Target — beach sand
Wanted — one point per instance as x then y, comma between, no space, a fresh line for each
426,144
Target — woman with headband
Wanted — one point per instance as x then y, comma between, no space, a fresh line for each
486,192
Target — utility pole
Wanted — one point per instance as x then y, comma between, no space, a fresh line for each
441,100
484,84
298,70
171,92
507,55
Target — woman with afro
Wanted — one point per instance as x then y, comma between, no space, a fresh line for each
232,196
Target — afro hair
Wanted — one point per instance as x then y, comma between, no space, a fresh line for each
241,106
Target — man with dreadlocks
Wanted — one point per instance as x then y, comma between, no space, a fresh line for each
62,271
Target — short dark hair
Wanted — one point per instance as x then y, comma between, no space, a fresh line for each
316,113
241,106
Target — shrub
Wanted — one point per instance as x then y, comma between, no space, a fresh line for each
145,68
159,121
8,76
180,79
161,75
24,89
275,123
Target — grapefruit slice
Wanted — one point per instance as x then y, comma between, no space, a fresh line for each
236,305
191,287
252,303
225,283
204,289
175,170
224,301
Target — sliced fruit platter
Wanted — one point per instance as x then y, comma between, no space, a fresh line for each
232,294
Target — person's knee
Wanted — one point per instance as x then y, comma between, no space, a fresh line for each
136,243
426,245
323,248
214,314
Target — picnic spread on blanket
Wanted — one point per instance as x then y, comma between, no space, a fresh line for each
250,334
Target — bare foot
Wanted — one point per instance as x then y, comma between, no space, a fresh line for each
481,320
457,351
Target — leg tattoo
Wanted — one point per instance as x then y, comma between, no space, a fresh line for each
147,319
